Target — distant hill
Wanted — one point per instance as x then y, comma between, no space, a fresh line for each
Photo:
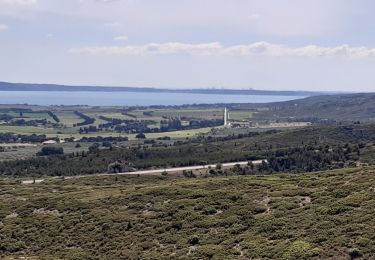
349,107
6,86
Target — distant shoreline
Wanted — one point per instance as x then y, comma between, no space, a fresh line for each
5,86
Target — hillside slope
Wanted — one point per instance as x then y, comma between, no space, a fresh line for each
211,150
308,216
349,107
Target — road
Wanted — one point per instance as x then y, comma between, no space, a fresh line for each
177,169
189,168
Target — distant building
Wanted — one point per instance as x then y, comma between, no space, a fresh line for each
49,142
242,124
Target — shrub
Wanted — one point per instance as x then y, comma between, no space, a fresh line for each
107,144
209,211
300,250
116,167
50,150
193,241
140,136
354,253
94,148
189,174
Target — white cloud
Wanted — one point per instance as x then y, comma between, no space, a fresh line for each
216,49
18,2
154,49
254,16
121,38
4,27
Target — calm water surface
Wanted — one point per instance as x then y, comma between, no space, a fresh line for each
128,98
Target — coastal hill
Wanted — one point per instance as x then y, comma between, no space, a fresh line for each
348,107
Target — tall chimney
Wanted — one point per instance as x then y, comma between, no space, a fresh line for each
225,117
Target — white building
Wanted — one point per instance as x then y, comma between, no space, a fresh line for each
49,142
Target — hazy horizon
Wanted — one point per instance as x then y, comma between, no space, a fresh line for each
267,45
187,88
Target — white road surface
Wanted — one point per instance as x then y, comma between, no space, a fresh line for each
177,169
190,168
32,181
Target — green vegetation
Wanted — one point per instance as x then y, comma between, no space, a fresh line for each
69,119
310,197
349,108
50,150
302,150
320,215
78,122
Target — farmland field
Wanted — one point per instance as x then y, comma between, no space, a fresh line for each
27,129
241,115
172,134
69,122
68,118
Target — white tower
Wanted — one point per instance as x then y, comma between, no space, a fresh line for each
225,117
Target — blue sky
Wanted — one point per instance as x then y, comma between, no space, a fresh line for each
262,44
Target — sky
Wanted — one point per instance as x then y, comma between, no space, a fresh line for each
316,45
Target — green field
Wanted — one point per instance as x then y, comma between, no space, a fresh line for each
27,129
68,119
173,134
116,115
65,128
208,113
25,151
241,115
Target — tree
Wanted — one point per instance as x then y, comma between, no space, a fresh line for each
50,150
107,144
189,174
94,148
264,166
140,136
237,168
115,167
251,165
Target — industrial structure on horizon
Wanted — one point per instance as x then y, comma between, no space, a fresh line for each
226,117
